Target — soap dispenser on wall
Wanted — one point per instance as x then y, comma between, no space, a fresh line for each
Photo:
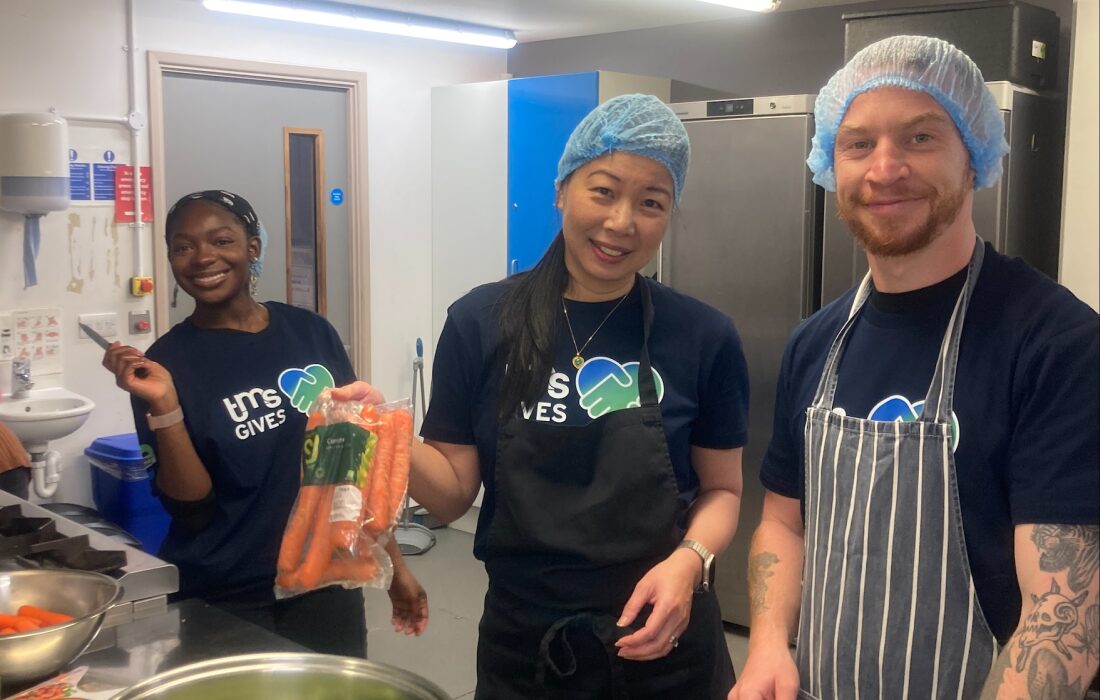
34,175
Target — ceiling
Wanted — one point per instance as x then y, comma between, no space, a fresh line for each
539,20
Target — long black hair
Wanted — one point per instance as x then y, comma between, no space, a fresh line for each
530,318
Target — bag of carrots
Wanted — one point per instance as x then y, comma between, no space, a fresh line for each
355,469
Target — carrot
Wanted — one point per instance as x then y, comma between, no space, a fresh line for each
6,631
19,622
288,580
345,532
46,617
298,528
360,569
379,492
315,419
320,545
399,472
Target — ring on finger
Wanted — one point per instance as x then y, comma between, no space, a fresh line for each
674,641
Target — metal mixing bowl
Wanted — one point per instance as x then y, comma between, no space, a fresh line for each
40,653
285,677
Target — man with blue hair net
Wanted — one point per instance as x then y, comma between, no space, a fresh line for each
930,521
605,415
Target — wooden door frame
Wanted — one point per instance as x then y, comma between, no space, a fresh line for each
355,86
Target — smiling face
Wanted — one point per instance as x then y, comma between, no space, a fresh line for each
615,210
210,251
902,172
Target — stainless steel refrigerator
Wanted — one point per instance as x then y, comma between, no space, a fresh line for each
746,239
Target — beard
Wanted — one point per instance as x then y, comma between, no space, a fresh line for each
896,237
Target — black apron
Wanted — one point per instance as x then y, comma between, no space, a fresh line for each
582,513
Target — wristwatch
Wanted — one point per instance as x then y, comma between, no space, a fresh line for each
164,420
708,562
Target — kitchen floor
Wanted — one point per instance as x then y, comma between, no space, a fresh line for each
456,584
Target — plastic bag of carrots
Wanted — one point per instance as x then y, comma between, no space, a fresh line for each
355,470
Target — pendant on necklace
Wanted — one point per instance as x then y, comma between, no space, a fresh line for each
578,361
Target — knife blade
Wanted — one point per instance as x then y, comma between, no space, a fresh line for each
102,342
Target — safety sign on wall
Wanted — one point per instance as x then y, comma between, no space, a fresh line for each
124,194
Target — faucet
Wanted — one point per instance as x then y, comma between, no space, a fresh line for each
21,377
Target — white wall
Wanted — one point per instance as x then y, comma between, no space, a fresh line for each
68,54
1081,213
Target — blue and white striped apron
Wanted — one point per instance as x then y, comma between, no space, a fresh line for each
888,603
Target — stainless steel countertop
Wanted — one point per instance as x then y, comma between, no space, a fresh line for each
184,633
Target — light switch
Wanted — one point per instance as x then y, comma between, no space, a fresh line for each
105,324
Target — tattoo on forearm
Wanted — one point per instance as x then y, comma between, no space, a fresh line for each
1071,548
1053,616
1048,679
1088,640
759,570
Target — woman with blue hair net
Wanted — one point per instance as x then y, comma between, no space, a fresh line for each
604,413
220,402
929,528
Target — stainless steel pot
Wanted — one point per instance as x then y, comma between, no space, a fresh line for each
85,595
285,677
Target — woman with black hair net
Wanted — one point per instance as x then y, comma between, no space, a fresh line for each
605,415
221,401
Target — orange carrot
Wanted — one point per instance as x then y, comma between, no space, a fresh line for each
19,623
46,617
399,471
320,545
297,529
315,419
288,580
359,569
346,533
6,631
378,496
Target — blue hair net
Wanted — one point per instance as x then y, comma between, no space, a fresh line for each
922,64
640,124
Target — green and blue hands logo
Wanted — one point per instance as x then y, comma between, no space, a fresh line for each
899,408
303,386
605,385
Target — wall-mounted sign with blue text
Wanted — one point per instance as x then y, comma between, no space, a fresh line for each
337,196
80,181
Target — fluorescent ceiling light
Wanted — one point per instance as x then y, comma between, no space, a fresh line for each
331,14
750,5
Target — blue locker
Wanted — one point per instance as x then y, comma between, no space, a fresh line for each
542,113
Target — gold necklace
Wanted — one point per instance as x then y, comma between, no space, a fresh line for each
578,360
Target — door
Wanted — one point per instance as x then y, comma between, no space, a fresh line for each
745,241
261,139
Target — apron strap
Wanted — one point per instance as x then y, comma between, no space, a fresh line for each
600,626
647,388
941,393
826,387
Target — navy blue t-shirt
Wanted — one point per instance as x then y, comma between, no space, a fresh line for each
699,371
1027,403
245,397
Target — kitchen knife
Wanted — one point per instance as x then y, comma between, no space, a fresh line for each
102,342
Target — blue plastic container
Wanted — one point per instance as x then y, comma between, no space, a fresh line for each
122,489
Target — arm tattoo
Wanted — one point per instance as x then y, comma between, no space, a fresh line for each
1048,679
1072,548
1054,615
760,569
